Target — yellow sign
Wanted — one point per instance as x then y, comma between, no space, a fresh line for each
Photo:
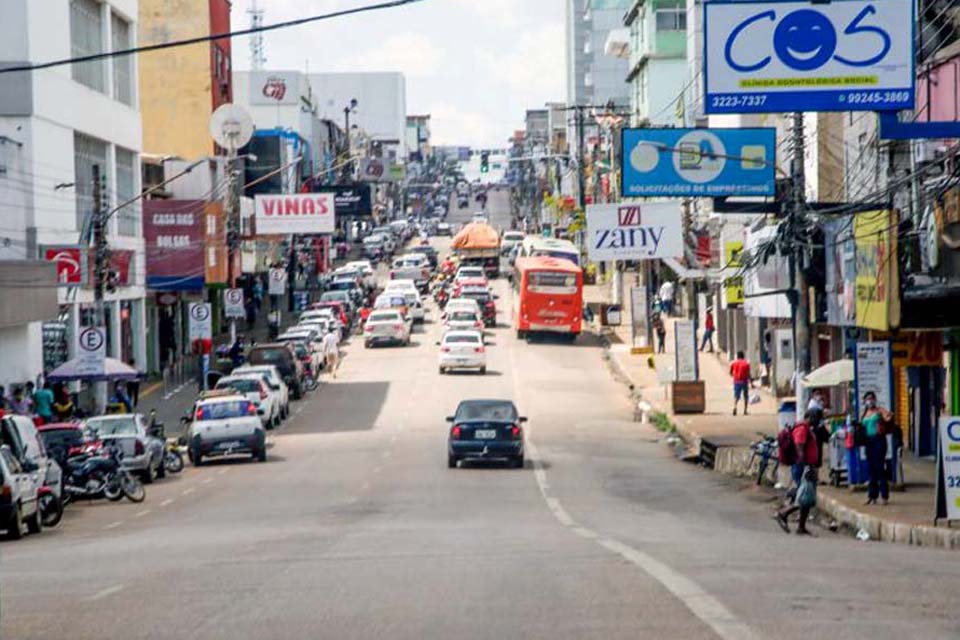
914,348
733,286
875,238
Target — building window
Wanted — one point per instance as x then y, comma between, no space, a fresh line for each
672,19
87,152
129,216
122,65
86,38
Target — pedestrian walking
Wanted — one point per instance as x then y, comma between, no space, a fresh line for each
874,423
257,294
331,352
43,403
133,386
807,438
666,297
740,370
21,403
661,331
708,328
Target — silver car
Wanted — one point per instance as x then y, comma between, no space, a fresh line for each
142,451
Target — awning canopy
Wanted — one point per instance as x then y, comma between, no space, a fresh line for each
830,374
113,369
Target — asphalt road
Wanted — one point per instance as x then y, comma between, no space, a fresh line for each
355,528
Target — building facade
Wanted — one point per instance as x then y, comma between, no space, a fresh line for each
658,60
592,76
64,122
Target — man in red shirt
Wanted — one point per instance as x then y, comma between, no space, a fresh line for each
740,370
708,329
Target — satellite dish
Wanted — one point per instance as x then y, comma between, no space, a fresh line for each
231,126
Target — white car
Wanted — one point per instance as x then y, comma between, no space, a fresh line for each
460,304
413,266
470,272
462,350
276,385
479,216
509,240
226,425
323,314
364,266
387,326
409,291
462,319
254,388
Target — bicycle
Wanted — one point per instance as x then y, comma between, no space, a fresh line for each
767,449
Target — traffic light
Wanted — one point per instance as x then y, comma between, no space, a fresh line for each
484,162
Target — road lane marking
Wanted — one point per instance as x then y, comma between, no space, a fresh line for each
140,514
221,472
167,502
206,481
103,593
113,525
187,492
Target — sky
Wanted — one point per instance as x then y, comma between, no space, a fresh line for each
474,65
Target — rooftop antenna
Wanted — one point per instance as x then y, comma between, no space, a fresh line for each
258,57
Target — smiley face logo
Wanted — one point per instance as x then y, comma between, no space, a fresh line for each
805,40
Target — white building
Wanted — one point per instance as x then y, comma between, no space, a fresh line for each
64,121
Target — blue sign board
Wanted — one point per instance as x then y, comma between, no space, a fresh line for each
784,55
699,162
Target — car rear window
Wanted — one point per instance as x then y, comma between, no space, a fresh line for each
269,356
384,317
223,410
463,315
334,296
479,296
462,339
61,438
243,386
125,426
486,410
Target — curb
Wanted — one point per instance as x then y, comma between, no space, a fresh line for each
729,461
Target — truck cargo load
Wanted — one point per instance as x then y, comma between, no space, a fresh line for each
479,243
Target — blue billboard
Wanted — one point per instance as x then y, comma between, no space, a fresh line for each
699,162
784,55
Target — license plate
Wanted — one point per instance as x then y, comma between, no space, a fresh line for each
233,444
485,434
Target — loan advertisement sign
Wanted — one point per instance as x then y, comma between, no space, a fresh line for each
642,231
699,162
771,57
285,214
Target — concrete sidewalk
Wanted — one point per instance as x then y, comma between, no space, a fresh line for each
723,440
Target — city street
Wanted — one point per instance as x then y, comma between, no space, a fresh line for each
356,528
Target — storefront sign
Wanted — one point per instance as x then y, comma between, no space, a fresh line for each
699,162
841,272
948,469
642,231
71,270
274,88
350,200
285,214
201,321
733,286
277,282
873,372
685,348
174,234
91,351
914,348
233,303
373,170
874,234
771,57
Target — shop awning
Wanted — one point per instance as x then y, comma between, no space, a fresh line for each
113,369
830,374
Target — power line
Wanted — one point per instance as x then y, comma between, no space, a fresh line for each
209,38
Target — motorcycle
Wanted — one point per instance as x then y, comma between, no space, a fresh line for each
51,507
172,457
93,475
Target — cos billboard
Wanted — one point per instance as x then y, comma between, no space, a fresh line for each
846,55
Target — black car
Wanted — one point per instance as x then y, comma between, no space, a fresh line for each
282,356
485,429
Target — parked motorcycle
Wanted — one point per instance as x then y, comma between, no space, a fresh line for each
51,507
100,474
172,457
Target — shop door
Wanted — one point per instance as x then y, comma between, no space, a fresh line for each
926,393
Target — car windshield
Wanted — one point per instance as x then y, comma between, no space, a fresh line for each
120,426
497,410
243,385
223,409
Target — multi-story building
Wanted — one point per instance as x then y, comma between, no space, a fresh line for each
181,87
66,122
658,60
417,137
592,76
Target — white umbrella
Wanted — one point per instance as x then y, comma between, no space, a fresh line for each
830,374
113,369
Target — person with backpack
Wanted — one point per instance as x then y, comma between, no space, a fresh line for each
802,447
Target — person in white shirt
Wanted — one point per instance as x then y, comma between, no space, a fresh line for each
666,297
331,352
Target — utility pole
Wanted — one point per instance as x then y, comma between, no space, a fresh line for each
100,260
799,291
581,177
233,228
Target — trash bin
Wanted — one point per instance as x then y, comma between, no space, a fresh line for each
787,414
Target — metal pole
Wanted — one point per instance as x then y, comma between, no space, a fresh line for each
800,298
99,270
581,177
233,230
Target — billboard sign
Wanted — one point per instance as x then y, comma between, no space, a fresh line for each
174,235
350,200
277,282
699,162
641,231
285,214
685,350
771,57
733,285
71,266
875,283
274,88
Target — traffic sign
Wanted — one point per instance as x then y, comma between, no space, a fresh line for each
201,321
233,303
278,282
91,351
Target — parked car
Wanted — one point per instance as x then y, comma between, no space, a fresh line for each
283,357
482,429
462,350
223,426
255,390
271,375
343,297
364,267
130,432
386,327
375,245
19,495
21,435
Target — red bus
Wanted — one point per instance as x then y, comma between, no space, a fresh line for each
547,296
